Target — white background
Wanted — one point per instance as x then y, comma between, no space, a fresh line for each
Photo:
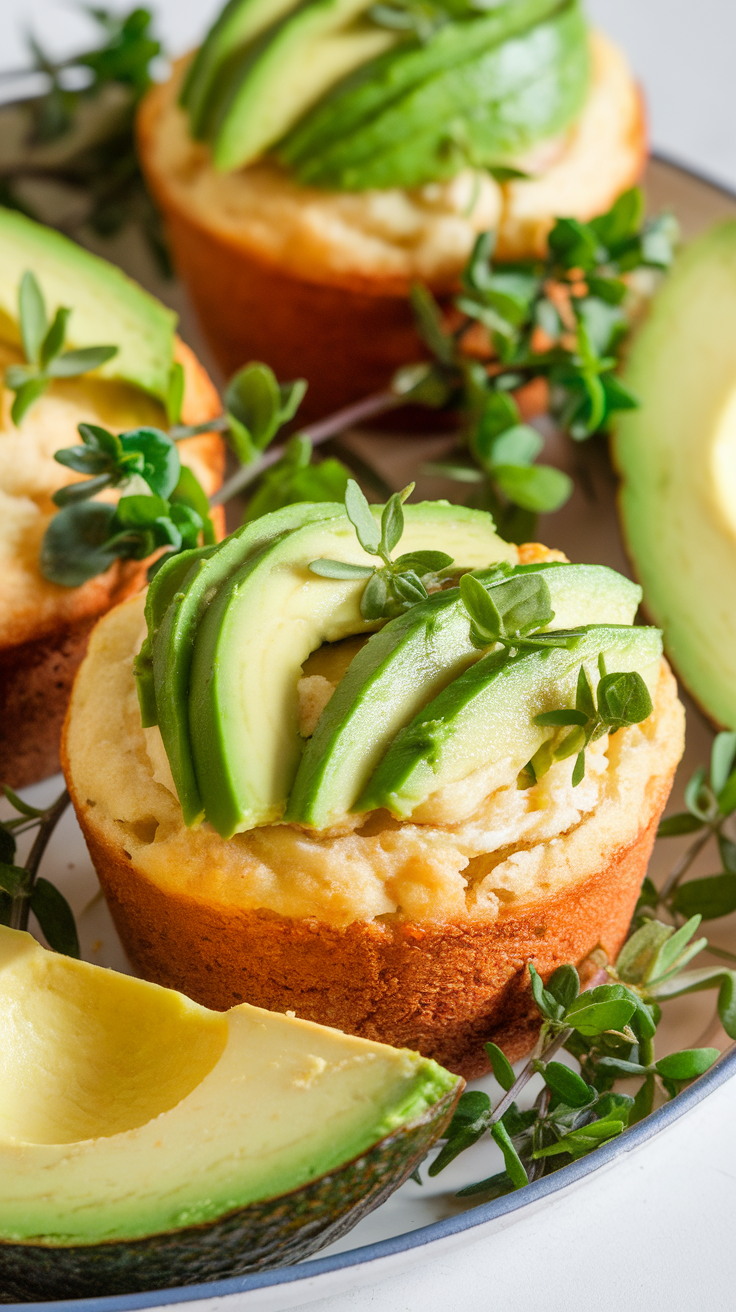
657,1232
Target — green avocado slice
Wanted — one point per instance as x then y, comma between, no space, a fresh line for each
373,87
257,633
288,70
240,22
676,454
234,1140
480,112
405,665
108,308
177,601
485,716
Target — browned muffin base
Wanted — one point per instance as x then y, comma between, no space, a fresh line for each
441,989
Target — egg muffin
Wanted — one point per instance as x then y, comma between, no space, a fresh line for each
361,817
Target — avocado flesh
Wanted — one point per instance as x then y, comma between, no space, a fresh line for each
258,632
173,622
126,1110
407,664
240,22
108,309
377,85
479,113
676,455
485,716
311,50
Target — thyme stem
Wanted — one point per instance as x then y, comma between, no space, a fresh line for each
316,433
22,903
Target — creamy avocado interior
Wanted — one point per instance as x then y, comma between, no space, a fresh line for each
354,96
128,1110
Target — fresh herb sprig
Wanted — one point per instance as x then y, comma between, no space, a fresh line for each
710,800
102,168
394,585
43,346
167,508
623,700
559,322
511,611
610,1030
22,889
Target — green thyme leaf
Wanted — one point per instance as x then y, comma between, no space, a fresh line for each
682,823
569,1087
32,316
55,917
359,513
502,1068
339,569
710,898
688,1064
513,1163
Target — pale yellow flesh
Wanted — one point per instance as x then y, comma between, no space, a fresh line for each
128,1110
677,458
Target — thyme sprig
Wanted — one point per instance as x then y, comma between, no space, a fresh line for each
559,322
395,585
610,1029
22,889
710,800
101,166
623,700
43,346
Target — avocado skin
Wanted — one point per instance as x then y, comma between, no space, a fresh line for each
272,1233
478,113
381,82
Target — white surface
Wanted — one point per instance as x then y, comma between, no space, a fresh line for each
656,1231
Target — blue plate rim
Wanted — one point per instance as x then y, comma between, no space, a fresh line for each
722,1070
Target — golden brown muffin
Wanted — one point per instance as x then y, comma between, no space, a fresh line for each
316,282
44,627
416,934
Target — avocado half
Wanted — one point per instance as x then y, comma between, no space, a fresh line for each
107,307
146,1141
676,456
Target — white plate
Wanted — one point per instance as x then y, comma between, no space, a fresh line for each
397,1234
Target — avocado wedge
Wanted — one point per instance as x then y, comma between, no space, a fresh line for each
257,633
480,112
147,1142
106,305
240,22
175,606
676,455
485,717
407,664
289,69
375,86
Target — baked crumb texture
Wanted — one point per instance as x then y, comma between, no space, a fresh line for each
316,282
44,627
414,934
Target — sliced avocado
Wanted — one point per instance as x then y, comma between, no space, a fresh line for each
480,112
177,601
405,665
676,455
240,22
258,632
147,1142
107,307
373,87
485,716
293,66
